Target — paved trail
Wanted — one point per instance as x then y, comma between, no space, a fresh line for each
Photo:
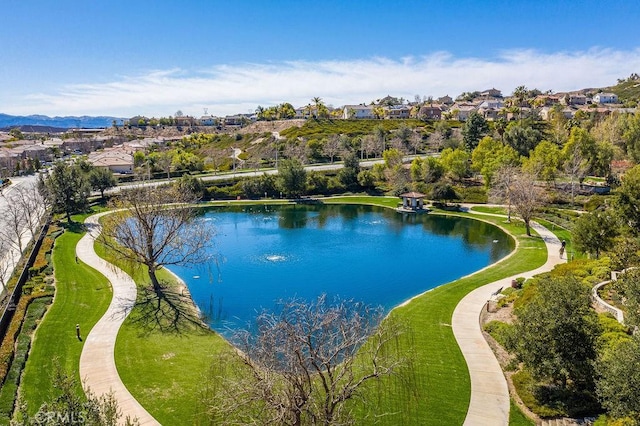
489,403
97,362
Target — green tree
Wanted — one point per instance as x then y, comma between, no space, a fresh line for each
618,384
66,407
292,178
631,138
555,333
522,136
594,232
543,161
455,162
628,200
443,192
191,185
473,130
66,189
490,155
101,179
348,175
426,170
628,285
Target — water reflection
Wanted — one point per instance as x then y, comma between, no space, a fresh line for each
370,254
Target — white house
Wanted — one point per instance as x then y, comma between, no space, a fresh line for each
357,111
605,98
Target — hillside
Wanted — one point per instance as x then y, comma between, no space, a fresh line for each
627,90
85,122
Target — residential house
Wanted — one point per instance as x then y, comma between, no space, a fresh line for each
430,112
573,99
545,100
357,111
545,113
605,98
491,103
491,93
38,152
8,160
207,120
117,159
462,111
446,100
397,111
233,120
599,112
185,121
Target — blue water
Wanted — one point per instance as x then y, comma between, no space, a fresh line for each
364,253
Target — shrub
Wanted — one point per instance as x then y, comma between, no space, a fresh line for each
28,312
498,330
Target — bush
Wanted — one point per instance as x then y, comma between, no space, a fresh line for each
473,194
498,330
29,311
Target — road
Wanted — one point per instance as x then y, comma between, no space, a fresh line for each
254,173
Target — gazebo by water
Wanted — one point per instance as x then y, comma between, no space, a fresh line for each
413,202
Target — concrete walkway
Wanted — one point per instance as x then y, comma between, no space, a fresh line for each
489,403
97,361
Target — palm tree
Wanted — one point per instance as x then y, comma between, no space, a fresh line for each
317,101
260,112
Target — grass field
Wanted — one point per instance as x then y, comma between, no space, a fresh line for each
82,296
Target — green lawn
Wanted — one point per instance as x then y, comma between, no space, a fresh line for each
518,418
82,296
491,210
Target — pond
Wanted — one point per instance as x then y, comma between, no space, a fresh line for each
369,254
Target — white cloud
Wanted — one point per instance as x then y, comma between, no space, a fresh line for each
228,89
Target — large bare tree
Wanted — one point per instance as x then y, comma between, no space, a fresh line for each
154,226
502,185
304,363
526,197
13,224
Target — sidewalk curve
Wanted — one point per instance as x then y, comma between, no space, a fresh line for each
97,361
489,404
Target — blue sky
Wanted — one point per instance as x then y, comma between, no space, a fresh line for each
121,58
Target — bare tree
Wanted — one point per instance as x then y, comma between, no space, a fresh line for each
30,200
13,224
332,146
526,197
304,363
5,262
436,140
415,141
575,166
369,145
154,227
502,184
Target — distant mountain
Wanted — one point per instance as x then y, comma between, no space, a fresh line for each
84,122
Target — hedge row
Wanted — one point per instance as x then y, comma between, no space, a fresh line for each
32,308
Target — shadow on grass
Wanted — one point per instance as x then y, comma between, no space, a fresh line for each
75,227
168,310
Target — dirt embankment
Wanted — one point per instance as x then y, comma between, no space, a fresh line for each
271,126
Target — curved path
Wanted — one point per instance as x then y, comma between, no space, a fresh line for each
490,403
97,361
